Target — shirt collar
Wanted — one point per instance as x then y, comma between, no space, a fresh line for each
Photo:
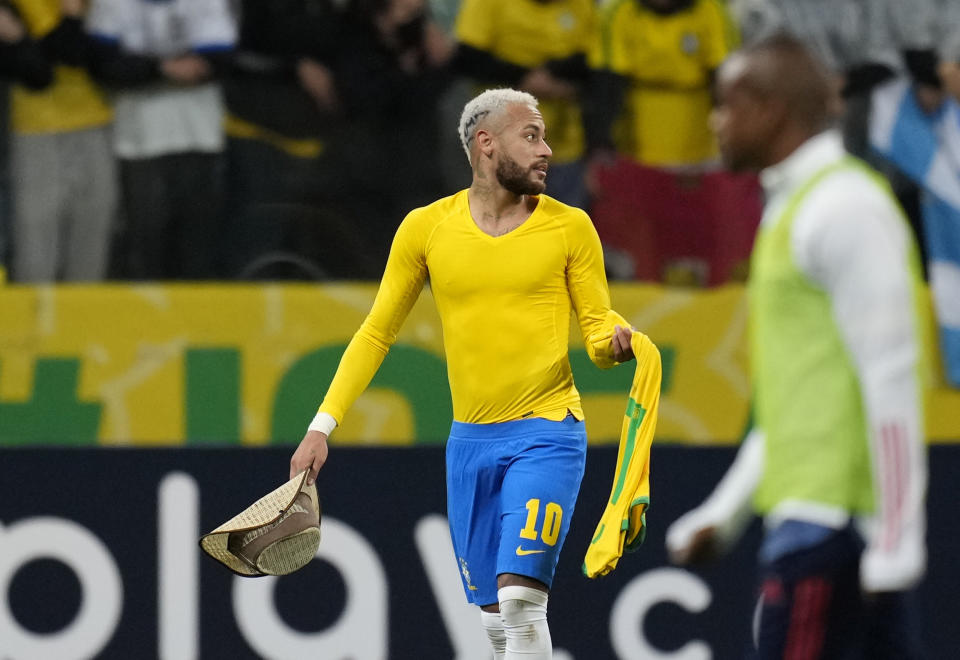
809,157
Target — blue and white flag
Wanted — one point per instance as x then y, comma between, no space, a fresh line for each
927,149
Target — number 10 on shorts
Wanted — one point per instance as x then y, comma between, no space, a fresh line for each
552,516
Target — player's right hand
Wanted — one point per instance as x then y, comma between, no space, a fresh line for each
621,344
701,547
312,454
693,538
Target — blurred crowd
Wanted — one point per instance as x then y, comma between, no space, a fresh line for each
286,139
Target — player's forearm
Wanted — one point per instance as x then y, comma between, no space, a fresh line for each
589,292
730,503
873,291
597,333
727,510
892,400
359,364
895,558
400,286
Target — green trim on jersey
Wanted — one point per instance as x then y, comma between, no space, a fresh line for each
641,537
636,413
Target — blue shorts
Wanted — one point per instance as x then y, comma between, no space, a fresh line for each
511,491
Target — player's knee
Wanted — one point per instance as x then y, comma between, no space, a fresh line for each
524,614
493,626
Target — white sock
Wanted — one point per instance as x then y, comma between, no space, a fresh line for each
493,625
524,614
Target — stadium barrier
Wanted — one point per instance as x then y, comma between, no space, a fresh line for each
696,227
246,364
100,560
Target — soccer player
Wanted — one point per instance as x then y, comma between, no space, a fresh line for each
506,265
835,461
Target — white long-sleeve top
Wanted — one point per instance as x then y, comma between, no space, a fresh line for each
849,238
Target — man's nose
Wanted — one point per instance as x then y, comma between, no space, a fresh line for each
545,149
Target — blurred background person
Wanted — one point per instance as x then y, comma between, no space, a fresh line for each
539,46
836,461
662,208
460,90
284,110
62,169
863,43
161,60
20,59
915,130
654,64
390,79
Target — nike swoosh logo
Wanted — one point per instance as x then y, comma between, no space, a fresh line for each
521,552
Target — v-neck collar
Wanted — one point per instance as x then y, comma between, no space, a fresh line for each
473,223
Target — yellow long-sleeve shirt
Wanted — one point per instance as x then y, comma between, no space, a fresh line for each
504,305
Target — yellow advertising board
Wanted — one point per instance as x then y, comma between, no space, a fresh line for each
248,364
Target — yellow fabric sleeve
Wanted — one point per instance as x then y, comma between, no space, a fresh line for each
403,279
589,293
623,523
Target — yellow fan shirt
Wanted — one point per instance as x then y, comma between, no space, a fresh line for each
504,305
72,102
529,33
668,60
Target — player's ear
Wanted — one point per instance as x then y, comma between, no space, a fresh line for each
484,141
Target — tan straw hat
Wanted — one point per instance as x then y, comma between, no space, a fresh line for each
276,535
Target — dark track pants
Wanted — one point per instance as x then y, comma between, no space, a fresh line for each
811,607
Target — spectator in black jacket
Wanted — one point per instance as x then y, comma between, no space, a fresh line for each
285,206
390,74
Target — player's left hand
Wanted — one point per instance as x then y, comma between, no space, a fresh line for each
620,342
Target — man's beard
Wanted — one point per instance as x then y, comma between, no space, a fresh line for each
516,179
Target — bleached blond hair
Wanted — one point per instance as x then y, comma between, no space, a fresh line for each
488,105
